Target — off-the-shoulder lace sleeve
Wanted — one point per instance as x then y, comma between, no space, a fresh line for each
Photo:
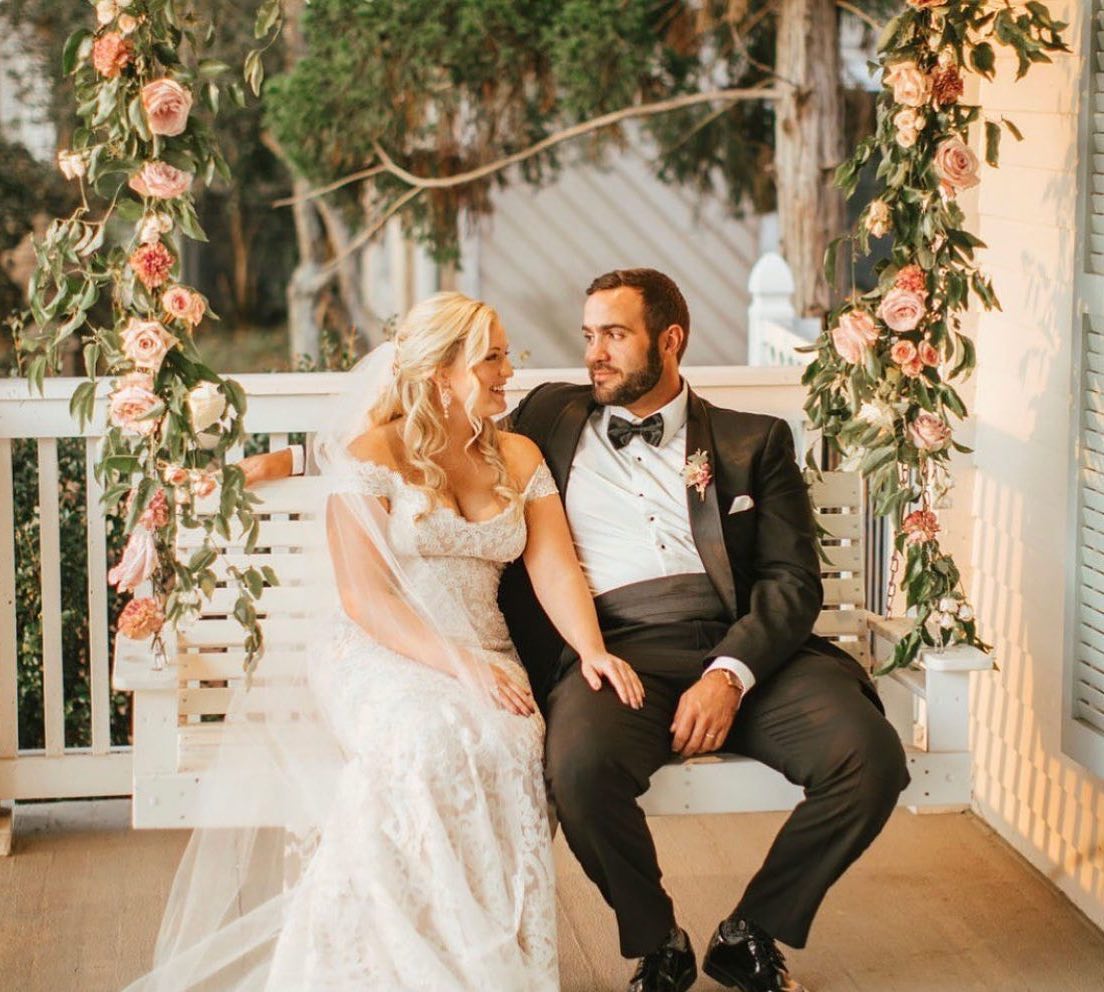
540,483
375,479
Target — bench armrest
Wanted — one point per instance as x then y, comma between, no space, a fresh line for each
134,672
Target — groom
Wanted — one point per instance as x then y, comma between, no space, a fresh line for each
695,532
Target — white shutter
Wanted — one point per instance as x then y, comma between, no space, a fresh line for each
1088,660
1083,726
1095,157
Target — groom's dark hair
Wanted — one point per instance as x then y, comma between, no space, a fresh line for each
664,303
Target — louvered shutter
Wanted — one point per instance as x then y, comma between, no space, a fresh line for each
1083,732
1088,669
1095,248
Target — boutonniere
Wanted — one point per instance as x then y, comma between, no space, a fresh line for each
697,473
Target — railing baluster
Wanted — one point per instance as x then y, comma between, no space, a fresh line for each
99,692
53,690
9,657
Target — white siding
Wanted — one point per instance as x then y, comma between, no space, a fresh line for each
535,257
1015,503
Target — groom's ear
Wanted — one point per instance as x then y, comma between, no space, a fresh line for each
675,337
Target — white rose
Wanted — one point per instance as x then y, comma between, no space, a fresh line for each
947,621
105,12
948,604
965,613
149,230
206,406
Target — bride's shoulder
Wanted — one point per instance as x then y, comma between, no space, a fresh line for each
524,462
378,445
521,454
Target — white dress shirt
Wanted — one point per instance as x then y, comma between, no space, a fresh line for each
627,508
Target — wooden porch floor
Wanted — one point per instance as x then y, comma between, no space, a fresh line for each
938,903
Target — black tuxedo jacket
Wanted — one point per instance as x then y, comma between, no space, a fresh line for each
763,561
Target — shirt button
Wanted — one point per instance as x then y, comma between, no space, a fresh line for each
641,495
651,520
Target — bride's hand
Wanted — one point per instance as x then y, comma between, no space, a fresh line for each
511,695
618,673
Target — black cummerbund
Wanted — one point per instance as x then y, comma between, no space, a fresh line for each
670,599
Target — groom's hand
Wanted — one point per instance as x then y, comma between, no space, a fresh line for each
704,715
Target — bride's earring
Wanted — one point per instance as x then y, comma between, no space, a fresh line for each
446,399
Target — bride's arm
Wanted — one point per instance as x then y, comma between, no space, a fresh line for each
372,597
561,588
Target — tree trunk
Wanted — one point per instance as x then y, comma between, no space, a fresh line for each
808,145
239,244
349,281
306,281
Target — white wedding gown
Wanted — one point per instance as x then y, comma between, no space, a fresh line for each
434,870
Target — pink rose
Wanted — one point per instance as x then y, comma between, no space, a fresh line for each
141,618
156,513
146,342
902,310
956,165
903,352
914,368
152,264
911,86
928,432
920,525
175,475
927,353
855,333
203,484
132,399
111,53
160,180
182,304
138,561
167,105
912,278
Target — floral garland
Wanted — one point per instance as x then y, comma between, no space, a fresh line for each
880,386
171,419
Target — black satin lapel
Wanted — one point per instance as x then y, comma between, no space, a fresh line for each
705,514
563,439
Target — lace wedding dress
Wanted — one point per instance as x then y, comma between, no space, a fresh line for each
433,871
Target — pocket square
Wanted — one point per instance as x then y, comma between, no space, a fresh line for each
741,503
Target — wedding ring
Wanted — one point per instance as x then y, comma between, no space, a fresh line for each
710,735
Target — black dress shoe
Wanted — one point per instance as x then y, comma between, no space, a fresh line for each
671,968
745,957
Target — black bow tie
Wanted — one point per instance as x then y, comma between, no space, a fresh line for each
621,431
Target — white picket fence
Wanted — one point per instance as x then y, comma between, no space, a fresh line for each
279,404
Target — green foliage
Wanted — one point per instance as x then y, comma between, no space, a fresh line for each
878,405
445,86
78,265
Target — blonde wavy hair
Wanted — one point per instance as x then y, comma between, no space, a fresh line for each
429,338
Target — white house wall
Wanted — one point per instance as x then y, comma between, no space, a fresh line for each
1013,508
535,257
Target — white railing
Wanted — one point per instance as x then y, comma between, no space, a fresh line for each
279,404
775,332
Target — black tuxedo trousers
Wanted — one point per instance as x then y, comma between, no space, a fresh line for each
817,721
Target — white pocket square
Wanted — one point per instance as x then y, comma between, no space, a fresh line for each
741,503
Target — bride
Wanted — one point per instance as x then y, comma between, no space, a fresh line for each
431,867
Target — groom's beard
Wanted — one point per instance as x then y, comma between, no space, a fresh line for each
632,385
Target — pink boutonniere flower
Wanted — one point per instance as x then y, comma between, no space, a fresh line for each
697,473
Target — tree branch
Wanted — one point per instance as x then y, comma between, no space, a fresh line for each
576,131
